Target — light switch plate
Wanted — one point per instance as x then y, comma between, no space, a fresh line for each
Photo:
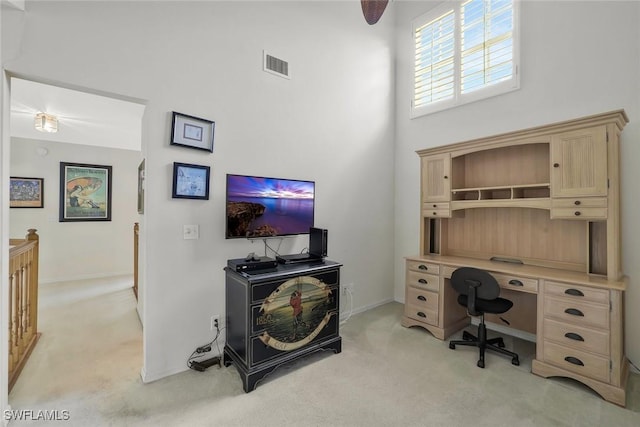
191,232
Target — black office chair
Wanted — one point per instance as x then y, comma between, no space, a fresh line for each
479,293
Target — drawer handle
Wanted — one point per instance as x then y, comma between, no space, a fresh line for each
577,203
422,298
435,206
574,312
421,314
574,292
573,336
556,165
515,282
424,282
434,214
422,267
577,213
574,360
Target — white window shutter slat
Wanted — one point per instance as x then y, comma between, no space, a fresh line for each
464,51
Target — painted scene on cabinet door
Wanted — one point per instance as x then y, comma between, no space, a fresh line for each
295,313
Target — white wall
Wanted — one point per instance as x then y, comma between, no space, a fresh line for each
331,123
77,250
578,58
4,231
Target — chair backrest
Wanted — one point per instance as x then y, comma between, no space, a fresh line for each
475,283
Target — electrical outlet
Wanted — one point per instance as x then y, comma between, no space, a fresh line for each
215,320
347,288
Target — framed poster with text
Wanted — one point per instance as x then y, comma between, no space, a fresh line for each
85,192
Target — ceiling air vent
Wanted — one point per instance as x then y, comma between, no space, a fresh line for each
276,66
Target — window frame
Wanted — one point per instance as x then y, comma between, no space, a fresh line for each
459,98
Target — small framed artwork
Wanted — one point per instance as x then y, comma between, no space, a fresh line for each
190,181
192,132
141,187
26,192
85,192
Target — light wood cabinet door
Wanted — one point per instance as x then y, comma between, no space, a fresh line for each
579,163
436,178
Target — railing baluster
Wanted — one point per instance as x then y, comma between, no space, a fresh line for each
12,355
23,302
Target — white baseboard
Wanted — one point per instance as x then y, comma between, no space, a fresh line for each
44,281
149,377
344,316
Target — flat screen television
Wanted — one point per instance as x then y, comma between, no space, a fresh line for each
266,207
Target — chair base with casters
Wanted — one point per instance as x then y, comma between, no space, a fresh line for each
479,293
483,344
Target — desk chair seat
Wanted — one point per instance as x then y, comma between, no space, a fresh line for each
479,293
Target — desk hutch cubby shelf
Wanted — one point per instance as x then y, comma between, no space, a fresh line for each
540,210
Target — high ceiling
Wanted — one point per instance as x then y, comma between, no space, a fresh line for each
83,118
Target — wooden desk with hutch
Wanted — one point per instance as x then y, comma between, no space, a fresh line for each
538,209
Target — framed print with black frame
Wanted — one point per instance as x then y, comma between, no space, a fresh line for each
26,192
190,181
192,132
85,192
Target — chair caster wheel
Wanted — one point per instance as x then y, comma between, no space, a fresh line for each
515,361
480,363
501,344
452,346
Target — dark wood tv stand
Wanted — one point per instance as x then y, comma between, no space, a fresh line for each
264,325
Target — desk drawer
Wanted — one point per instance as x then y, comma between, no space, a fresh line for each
577,337
420,313
442,210
505,281
447,271
580,362
422,299
516,283
578,213
576,293
579,203
423,281
423,267
577,312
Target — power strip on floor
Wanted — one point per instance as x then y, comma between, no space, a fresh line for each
203,365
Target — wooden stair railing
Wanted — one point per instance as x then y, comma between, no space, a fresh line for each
23,302
136,232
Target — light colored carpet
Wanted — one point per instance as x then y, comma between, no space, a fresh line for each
88,363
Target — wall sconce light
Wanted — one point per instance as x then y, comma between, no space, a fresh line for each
46,122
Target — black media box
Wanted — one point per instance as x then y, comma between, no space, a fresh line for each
258,263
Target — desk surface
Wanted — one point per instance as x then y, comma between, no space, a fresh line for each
531,271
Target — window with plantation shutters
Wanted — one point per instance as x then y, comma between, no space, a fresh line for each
464,51
435,45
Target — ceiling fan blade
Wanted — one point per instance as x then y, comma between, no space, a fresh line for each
373,10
